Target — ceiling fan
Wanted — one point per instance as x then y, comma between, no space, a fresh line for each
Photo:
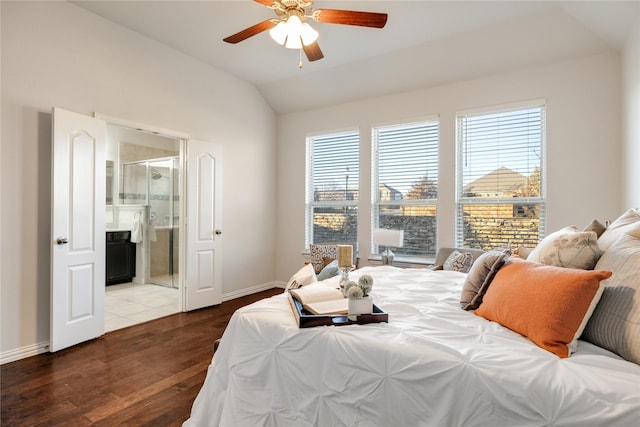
291,30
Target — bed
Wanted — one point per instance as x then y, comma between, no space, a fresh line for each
432,364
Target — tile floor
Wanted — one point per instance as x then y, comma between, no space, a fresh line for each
127,304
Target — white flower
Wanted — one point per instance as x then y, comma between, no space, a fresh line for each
361,289
349,285
366,283
355,292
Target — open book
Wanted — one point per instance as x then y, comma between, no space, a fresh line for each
319,299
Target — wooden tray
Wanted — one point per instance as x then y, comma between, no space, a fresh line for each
308,320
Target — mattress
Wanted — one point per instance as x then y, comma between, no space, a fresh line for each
432,364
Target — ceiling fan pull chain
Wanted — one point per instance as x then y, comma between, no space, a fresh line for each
300,63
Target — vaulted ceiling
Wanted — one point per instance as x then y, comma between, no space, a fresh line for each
424,43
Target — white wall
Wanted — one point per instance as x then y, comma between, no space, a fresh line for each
631,120
56,54
583,144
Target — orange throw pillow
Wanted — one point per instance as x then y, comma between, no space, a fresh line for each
549,305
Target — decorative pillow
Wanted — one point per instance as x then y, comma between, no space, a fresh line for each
326,261
617,228
304,276
615,324
458,261
568,247
318,253
329,270
480,277
550,305
596,227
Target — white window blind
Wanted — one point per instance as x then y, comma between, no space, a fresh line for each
500,190
405,184
332,188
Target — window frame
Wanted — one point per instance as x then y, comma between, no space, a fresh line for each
461,201
376,203
310,202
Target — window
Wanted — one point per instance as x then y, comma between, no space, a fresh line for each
500,190
405,184
332,188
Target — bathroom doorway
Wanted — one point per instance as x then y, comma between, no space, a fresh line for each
87,203
145,187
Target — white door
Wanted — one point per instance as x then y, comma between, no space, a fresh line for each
77,228
204,225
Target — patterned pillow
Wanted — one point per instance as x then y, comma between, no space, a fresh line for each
569,248
458,261
319,253
615,323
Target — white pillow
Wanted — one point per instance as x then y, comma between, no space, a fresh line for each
617,228
304,276
568,247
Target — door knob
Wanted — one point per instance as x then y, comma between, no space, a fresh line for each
218,231
62,240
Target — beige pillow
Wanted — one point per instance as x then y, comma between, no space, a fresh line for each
615,323
523,252
568,247
596,227
617,228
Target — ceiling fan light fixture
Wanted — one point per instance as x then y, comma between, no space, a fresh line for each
308,34
293,42
294,32
279,33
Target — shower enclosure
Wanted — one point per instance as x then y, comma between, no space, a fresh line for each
155,184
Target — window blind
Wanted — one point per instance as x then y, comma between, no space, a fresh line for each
405,184
332,189
407,160
500,190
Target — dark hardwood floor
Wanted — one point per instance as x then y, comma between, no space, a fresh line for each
144,375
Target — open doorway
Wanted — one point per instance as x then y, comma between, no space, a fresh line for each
143,207
81,218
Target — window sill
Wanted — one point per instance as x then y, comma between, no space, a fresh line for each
403,262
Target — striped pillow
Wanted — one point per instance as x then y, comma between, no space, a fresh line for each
615,323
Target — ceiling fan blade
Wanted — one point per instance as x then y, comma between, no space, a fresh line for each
350,17
265,2
313,51
251,31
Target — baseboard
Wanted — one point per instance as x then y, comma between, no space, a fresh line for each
43,347
24,352
252,290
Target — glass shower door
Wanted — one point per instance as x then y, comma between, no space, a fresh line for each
163,245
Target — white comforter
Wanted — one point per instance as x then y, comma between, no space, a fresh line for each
433,364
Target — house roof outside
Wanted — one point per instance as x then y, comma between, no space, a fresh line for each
502,182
